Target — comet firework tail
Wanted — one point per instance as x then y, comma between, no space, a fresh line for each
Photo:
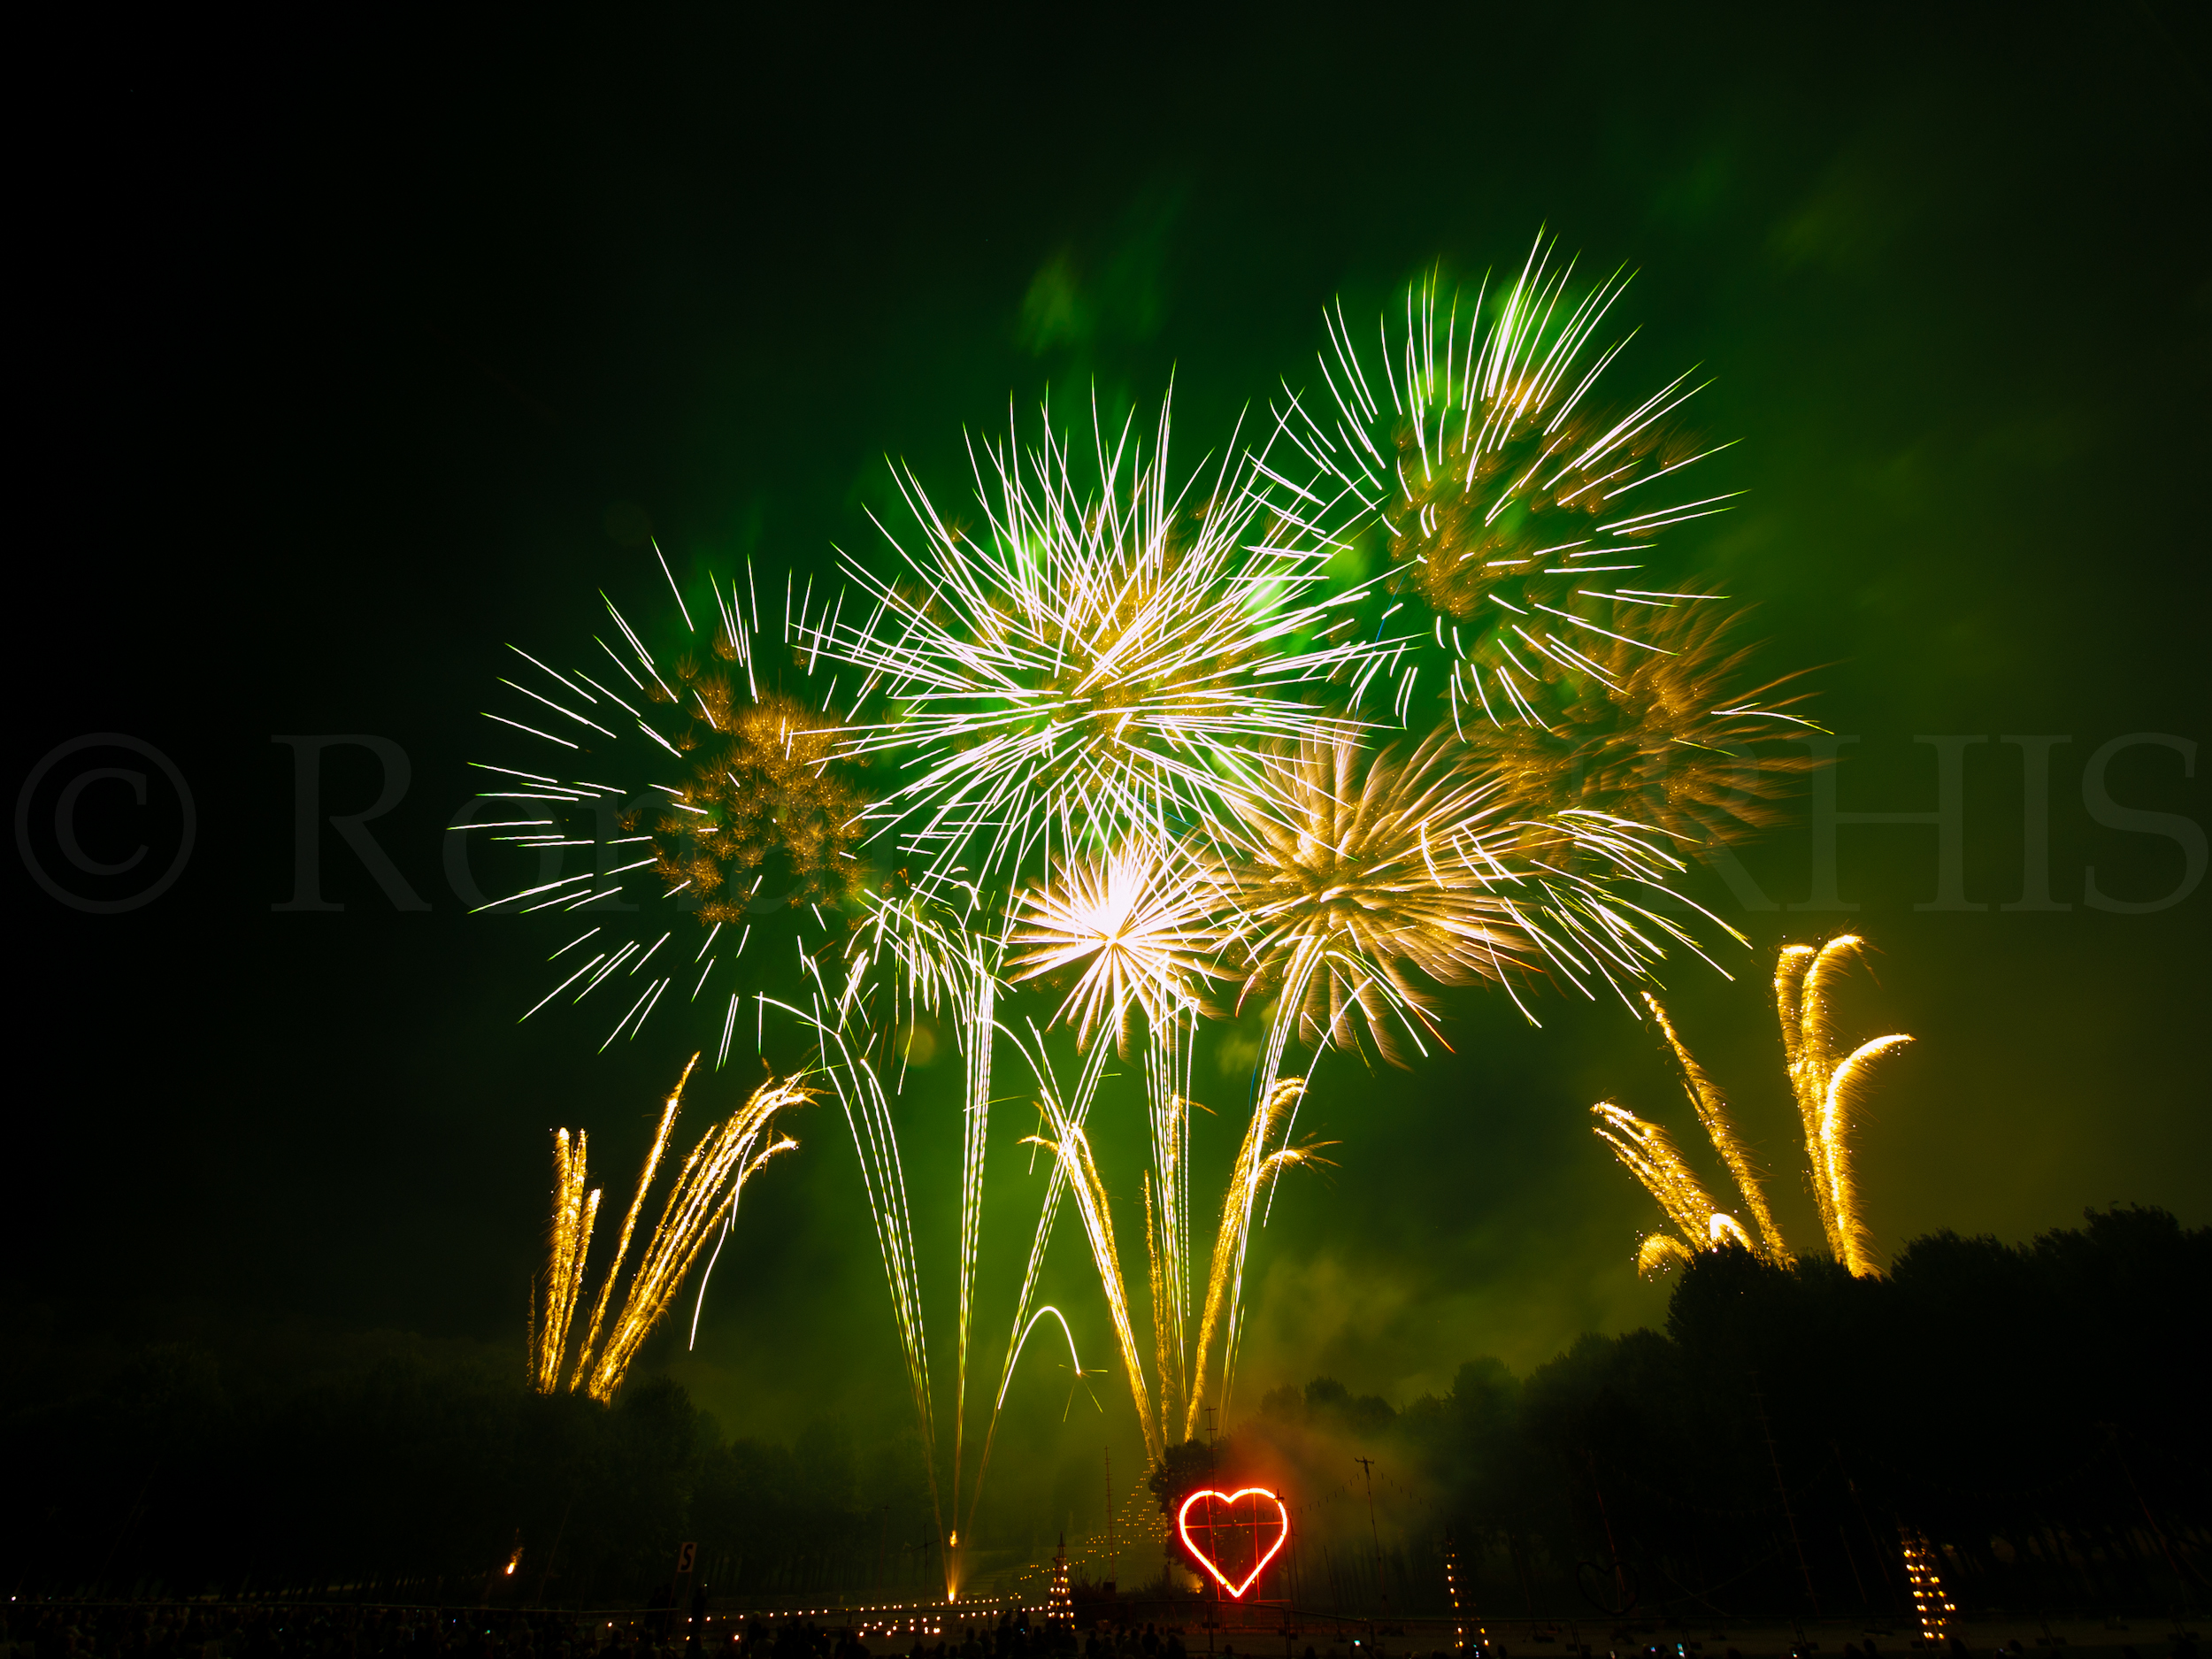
702,1200
1720,1128
1827,1088
1827,1092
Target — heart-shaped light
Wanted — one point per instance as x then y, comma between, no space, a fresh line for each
1282,1534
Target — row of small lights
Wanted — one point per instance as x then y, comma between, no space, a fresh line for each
913,1623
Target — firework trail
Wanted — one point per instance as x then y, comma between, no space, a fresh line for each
575,1212
978,1019
854,1035
706,1190
1508,501
1167,1210
910,957
1661,1253
724,798
1167,1328
1256,1169
1105,657
1826,1088
698,1205
1077,1171
1720,1128
669,1108
1827,1092
1071,1113
1654,1160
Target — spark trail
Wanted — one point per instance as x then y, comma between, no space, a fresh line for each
698,1205
1827,1092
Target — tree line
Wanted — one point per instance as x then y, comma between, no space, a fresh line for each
2033,1412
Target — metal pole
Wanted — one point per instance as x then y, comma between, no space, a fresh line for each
1367,1469
1759,1403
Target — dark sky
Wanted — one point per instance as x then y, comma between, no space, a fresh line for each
346,355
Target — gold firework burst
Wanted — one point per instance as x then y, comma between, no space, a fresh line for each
1361,875
1665,737
762,786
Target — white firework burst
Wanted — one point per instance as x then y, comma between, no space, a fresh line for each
1099,658
713,817
1140,917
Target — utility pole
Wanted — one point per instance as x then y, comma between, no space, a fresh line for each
1113,1562
1623,1600
1759,1403
1213,1591
1367,1469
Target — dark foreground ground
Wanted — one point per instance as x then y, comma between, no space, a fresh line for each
60,1629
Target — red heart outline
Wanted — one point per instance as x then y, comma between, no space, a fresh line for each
1182,1526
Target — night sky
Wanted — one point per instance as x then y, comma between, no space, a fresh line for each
347,355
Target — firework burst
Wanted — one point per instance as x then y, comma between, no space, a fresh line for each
1111,729
1364,874
1379,876
1666,737
1103,658
714,787
1515,502
1141,916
